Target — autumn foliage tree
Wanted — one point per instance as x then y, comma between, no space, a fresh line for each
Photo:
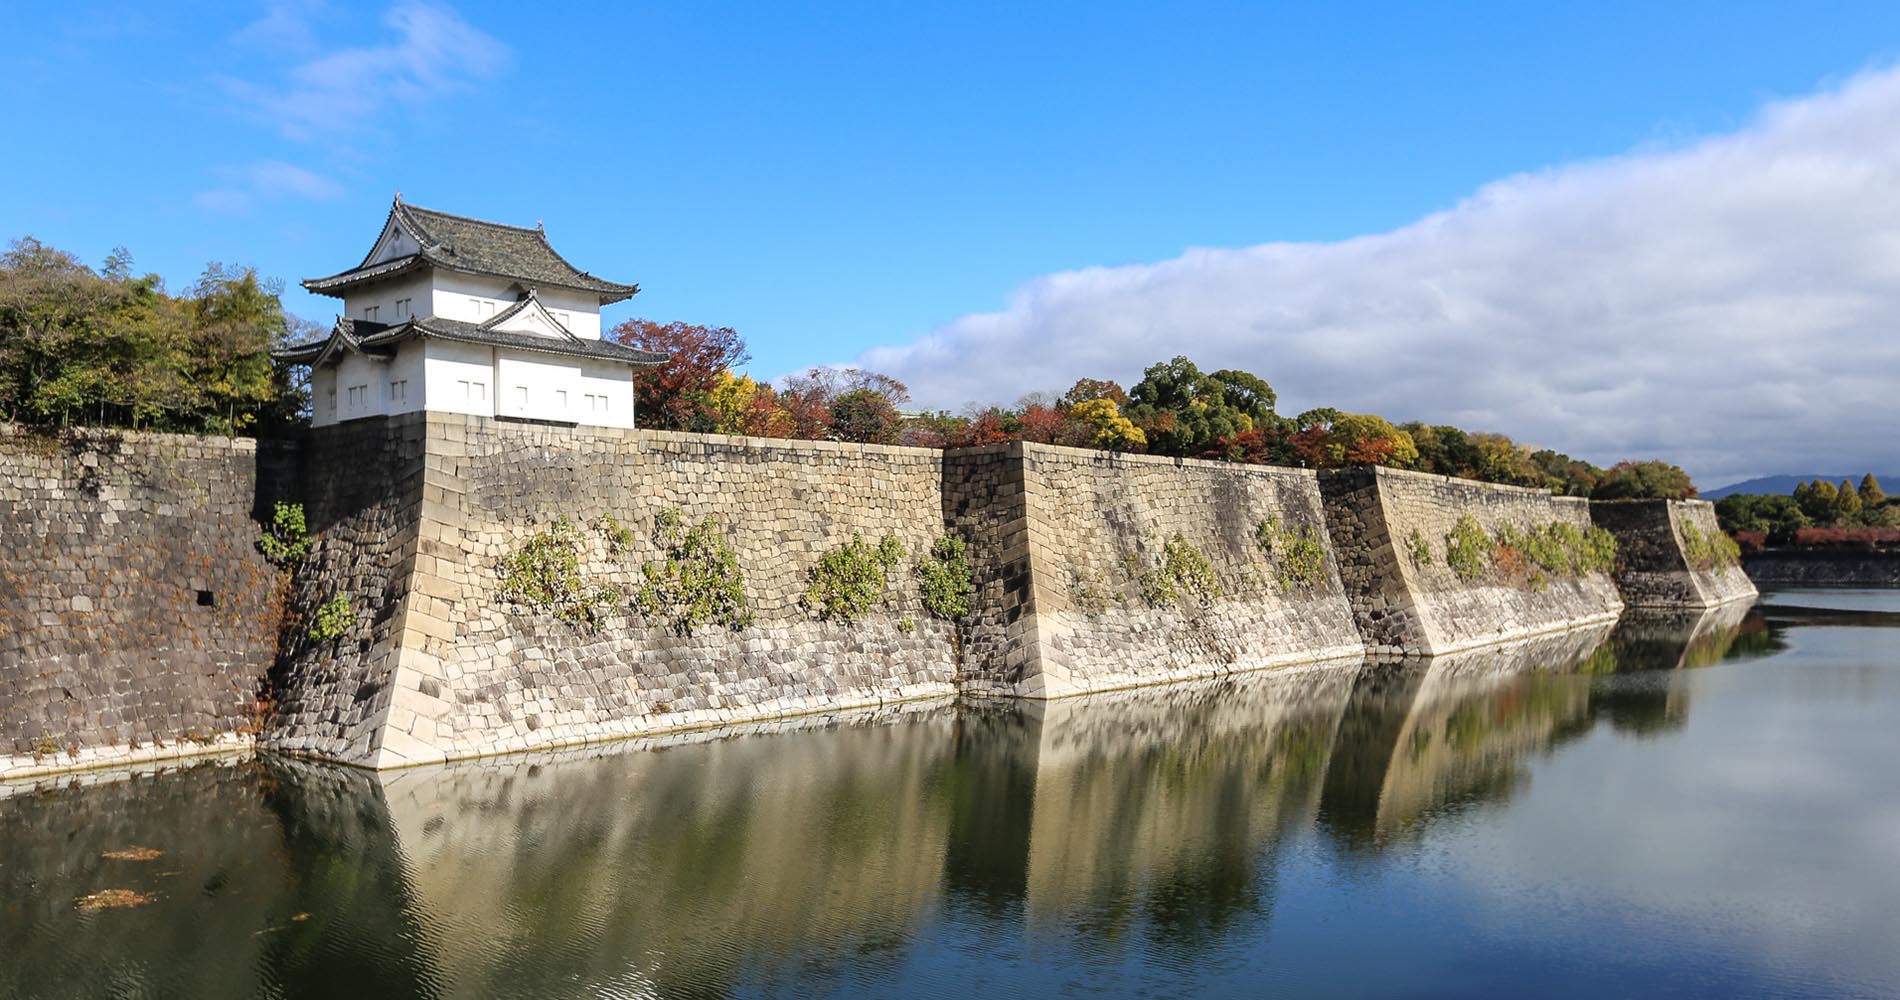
679,394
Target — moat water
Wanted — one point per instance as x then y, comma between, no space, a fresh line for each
1680,808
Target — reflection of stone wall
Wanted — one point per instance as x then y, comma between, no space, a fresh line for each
1138,792
1095,521
1652,569
137,617
711,863
1405,606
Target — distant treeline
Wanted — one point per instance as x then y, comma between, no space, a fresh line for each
1818,513
1176,409
114,348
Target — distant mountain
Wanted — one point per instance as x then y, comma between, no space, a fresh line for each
1784,485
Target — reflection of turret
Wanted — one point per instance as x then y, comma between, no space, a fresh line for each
1426,736
681,871
1148,807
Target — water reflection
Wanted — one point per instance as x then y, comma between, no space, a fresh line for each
1148,826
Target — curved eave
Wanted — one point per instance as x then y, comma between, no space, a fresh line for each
337,284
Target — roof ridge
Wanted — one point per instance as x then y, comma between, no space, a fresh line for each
470,218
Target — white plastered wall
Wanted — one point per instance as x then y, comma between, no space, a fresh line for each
460,377
537,386
606,397
393,301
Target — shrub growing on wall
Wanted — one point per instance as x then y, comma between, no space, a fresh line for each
1421,549
1708,551
333,620
851,579
1299,553
545,575
1468,549
698,582
1184,575
947,579
287,538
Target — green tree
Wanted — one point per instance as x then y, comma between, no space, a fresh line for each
1183,411
1871,495
1644,480
1846,501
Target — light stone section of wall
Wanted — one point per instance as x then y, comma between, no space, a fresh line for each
472,674
1653,570
1405,606
1097,520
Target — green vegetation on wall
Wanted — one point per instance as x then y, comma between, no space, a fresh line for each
697,583
1708,551
947,579
544,574
851,578
1420,548
1299,553
286,540
333,619
1468,549
1534,555
1185,575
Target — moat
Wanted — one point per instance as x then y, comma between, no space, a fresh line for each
1681,806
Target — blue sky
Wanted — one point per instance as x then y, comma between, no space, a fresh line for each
836,179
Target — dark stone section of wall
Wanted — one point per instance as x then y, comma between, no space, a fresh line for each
362,494
135,607
1382,603
1652,569
1808,568
983,502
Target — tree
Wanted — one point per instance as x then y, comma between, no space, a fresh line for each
1109,428
1184,411
1644,480
1846,501
238,319
113,349
810,399
677,395
1087,389
1364,439
1777,517
865,416
1871,495
743,406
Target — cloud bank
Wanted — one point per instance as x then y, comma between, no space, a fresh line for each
1733,305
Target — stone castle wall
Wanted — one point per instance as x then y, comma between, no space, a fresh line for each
104,642
137,617
1653,569
1822,568
462,672
1393,525
1097,522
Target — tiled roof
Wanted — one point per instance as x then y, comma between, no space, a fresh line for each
365,337
459,243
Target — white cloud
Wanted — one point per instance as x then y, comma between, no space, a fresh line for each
434,52
267,180
1731,305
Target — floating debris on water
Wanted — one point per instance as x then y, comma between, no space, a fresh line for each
115,899
133,854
